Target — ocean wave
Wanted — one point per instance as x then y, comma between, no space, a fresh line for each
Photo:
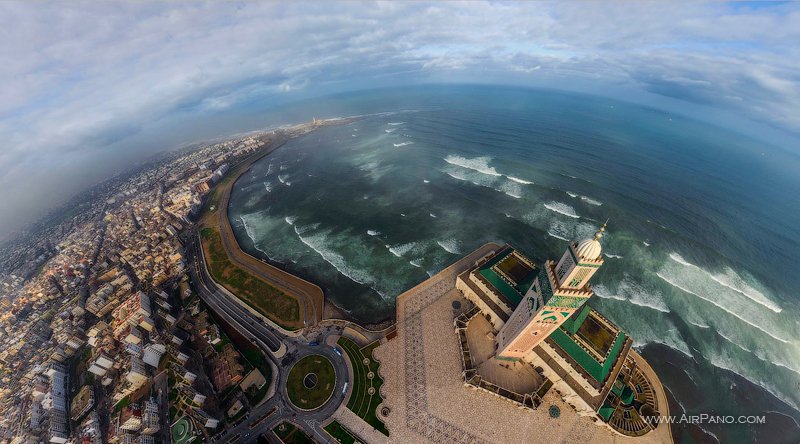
416,262
395,123
635,293
699,325
290,219
390,130
518,180
734,342
432,215
557,236
732,281
401,249
269,169
450,245
612,256
591,201
723,308
645,244
479,164
726,362
571,194
373,232
282,179
268,186
562,208
398,145
283,167
603,293
317,242
426,181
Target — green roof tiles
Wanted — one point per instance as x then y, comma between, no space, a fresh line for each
597,370
512,294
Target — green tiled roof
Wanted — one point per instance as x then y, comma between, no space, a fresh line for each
572,324
597,370
606,411
512,294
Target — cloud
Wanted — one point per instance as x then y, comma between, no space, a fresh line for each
78,77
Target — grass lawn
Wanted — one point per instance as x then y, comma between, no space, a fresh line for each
361,402
266,299
310,382
339,433
290,434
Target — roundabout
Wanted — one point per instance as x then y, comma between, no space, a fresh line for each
310,382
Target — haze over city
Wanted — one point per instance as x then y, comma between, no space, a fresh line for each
88,88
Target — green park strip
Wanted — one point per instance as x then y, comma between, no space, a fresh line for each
310,382
264,298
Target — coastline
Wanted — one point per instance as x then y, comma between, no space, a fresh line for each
315,306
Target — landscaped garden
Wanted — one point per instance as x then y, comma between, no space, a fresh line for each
290,434
340,433
310,382
366,394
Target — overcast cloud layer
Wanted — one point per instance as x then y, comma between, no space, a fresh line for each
76,77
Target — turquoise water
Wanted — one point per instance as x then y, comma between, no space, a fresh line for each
699,252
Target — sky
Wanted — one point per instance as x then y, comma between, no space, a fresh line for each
87,87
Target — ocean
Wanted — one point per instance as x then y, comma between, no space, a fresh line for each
700,250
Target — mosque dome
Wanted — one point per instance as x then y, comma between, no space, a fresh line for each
591,249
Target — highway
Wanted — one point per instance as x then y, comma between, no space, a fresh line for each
270,340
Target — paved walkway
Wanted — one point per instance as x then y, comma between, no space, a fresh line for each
358,426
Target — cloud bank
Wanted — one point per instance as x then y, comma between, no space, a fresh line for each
77,77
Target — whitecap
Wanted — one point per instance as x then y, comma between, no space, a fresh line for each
562,208
282,179
557,236
416,262
391,130
698,325
395,123
646,244
591,201
732,281
398,145
268,186
479,164
426,181
571,194
732,313
373,232
401,249
518,180
603,293
450,245
269,169
612,256
432,215
290,219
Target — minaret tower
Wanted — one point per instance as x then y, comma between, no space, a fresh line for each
558,292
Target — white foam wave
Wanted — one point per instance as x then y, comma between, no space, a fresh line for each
290,219
518,180
732,281
727,363
571,194
432,215
734,342
282,179
426,181
416,262
562,208
698,325
401,249
602,292
317,243
398,145
723,308
395,123
284,167
390,130
636,294
591,201
352,135
269,169
450,245
612,256
645,244
557,236
479,164
268,186
373,232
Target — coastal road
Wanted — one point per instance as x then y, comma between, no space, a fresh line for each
270,340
